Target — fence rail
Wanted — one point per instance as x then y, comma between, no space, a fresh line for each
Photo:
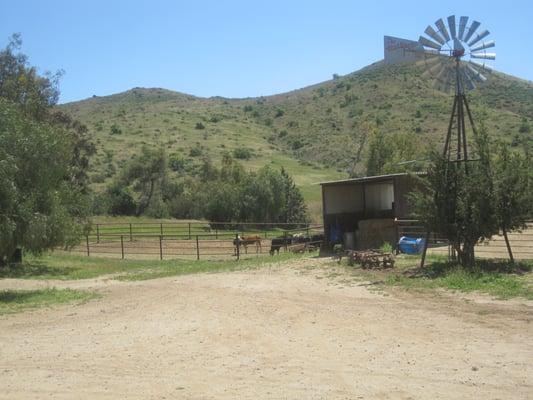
190,230
194,246
495,247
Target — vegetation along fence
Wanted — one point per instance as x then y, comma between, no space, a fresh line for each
194,240
521,241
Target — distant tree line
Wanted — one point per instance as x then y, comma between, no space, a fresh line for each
218,193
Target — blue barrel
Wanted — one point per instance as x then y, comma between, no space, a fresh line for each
409,245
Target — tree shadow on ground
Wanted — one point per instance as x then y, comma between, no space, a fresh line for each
33,270
438,269
12,296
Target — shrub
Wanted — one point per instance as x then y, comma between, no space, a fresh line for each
115,130
195,151
242,153
199,125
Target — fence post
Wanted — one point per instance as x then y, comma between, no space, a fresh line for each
122,245
97,233
131,233
160,247
161,228
216,233
88,252
197,248
285,241
189,231
237,246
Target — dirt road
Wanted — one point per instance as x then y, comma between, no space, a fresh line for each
285,332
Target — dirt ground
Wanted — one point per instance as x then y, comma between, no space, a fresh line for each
293,331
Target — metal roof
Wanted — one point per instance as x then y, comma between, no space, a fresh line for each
375,178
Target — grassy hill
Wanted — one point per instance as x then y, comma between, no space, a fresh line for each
317,132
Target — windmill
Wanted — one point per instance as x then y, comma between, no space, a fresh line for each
455,56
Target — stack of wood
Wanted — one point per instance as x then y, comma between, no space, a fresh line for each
370,258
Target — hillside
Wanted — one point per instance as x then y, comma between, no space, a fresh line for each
317,133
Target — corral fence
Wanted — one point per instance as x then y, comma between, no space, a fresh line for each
193,240
190,230
521,241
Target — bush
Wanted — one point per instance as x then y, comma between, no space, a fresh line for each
195,151
199,125
115,130
176,163
242,153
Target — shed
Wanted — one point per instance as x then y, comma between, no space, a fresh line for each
361,211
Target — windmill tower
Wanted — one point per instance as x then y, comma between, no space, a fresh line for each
451,58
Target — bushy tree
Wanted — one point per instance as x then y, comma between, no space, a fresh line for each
44,157
40,206
147,176
470,202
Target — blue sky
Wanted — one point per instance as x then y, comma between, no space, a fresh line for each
237,48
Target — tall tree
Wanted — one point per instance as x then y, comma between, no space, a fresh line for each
43,161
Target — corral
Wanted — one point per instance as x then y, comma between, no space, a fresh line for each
195,240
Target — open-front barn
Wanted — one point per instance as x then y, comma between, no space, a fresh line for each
361,212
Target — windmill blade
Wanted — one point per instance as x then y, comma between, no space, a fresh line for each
442,29
484,55
466,81
434,35
462,25
434,70
428,43
451,25
476,74
484,45
471,30
484,67
478,37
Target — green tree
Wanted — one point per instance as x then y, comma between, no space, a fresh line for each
40,205
44,156
294,207
513,191
379,152
147,176
468,203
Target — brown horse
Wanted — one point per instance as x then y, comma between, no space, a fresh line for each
246,241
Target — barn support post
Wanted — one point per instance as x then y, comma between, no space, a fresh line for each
131,233
88,251
197,248
160,247
122,246
97,233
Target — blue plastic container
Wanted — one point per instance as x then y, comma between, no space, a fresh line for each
410,245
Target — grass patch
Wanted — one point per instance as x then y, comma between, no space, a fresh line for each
195,267
68,267
496,278
13,301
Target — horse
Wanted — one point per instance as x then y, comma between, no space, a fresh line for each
246,241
